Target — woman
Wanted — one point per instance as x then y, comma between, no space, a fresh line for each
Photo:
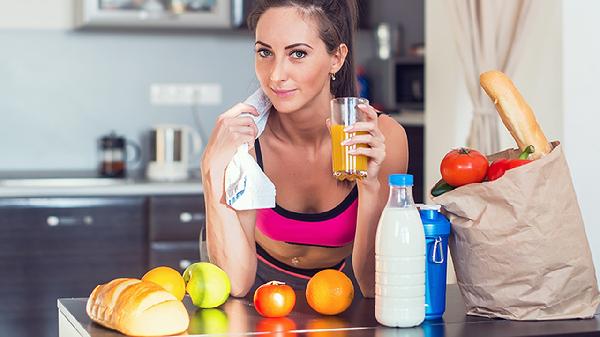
303,59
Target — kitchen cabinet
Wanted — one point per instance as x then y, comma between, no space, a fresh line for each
55,247
176,224
159,14
64,247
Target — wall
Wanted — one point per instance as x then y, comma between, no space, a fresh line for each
36,14
581,116
61,88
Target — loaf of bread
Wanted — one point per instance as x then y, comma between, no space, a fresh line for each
515,113
137,308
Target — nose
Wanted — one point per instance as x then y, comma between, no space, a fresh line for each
278,71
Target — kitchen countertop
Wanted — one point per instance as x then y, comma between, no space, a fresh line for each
238,317
87,183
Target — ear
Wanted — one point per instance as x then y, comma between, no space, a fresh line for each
338,58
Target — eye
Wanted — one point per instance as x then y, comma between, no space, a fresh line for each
264,52
298,54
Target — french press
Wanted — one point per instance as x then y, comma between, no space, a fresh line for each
113,155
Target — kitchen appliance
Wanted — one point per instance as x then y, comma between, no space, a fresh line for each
400,83
171,148
113,155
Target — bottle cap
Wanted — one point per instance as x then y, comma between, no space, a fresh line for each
434,222
400,179
430,207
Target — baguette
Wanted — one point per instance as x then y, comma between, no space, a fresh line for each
515,113
137,308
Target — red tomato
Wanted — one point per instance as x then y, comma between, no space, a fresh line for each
274,299
463,166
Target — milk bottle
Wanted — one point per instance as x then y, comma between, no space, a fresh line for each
400,258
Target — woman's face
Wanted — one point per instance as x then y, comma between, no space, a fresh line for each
291,60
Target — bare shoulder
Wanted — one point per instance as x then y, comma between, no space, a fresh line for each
396,146
390,128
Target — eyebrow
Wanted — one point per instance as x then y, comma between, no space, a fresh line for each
287,47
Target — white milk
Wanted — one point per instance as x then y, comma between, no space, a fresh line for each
400,259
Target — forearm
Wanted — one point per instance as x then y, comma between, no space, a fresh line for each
230,246
363,252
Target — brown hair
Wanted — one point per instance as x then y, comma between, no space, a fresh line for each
337,24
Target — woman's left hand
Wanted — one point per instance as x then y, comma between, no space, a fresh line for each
375,152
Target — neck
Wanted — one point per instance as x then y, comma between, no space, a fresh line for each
304,127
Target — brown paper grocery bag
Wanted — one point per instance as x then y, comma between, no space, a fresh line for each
519,244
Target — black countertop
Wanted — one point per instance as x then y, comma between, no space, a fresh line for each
238,317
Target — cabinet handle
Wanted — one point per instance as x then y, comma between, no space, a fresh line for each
183,264
54,221
186,217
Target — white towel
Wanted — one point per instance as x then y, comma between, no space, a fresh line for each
246,185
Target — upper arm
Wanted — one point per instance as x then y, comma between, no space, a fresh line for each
396,151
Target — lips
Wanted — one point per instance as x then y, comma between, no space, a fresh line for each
283,93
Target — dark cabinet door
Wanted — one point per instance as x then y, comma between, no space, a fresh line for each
176,228
176,218
177,255
63,247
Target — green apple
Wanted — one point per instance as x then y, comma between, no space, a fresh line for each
210,321
207,284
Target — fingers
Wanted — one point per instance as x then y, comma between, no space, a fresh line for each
368,139
243,129
239,109
232,123
369,127
377,155
241,138
367,132
369,111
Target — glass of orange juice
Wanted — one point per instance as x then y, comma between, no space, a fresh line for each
344,113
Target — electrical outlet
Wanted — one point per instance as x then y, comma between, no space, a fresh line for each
185,94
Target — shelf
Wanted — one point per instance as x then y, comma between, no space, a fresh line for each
221,14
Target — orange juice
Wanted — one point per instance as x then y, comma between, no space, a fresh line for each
346,166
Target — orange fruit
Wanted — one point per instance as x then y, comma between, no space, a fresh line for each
329,292
168,278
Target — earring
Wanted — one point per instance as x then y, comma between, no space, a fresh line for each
332,76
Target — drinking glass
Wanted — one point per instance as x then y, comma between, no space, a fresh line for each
344,113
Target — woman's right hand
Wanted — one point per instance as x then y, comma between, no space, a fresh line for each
231,131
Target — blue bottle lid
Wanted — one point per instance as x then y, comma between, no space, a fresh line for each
434,222
400,179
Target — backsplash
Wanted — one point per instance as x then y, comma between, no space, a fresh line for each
61,90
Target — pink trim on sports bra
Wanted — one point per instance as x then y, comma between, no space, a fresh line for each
334,228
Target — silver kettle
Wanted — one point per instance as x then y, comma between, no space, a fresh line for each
171,148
